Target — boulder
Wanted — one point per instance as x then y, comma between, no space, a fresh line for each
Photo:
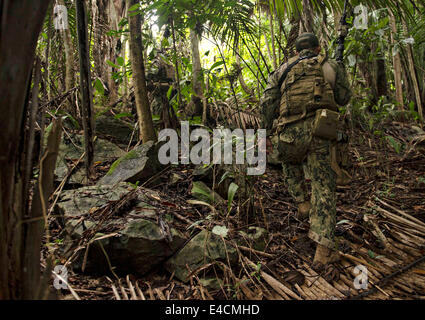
139,164
77,202
117,130
72,149
204,248
254,237
137,249
129,241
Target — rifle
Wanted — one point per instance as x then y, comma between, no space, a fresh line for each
341,38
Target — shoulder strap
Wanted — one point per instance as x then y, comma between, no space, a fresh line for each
293,64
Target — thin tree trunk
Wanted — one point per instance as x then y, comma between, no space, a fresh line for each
196,64
20,26
124,71
197,78
307,16
69,56
47,55
396,64
176,64
269,51
244,86
412,72
147,132
272,42
381,76
85,86
113,17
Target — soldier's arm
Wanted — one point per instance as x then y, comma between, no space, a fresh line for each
270,99
342,89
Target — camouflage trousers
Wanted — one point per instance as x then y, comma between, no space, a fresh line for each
297,146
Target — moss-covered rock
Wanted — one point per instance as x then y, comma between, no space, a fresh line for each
139,164
72,148
204,248
137,244
74,203
117,130
254,237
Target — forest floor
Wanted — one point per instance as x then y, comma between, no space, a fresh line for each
381,226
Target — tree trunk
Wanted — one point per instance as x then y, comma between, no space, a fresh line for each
412,69
69,56
272,41
114,16
20,26
196,61
48,94
147,132
85,86
307,17
173,32
99,52
381,77
241,79
396,64
197,78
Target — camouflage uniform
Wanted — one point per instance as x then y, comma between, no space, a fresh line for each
294,143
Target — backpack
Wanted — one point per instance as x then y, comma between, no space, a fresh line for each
305,90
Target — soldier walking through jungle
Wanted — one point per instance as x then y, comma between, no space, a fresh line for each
300,112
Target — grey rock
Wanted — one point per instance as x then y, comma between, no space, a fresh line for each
137,245
104,151
74,203
118,130
204,248
254,237
139,164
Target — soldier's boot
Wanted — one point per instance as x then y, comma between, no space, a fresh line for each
304,210
325,256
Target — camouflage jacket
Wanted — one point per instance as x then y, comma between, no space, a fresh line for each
334,73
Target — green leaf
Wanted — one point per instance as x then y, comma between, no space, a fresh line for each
396,146
113,65
231,194
99,87
134,7
215,65
122,115
120,61
197,189
203,203
223,177
170,90
221,231
343,221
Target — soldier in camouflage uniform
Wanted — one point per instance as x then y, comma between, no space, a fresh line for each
295,91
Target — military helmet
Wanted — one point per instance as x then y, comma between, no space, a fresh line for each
306,41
